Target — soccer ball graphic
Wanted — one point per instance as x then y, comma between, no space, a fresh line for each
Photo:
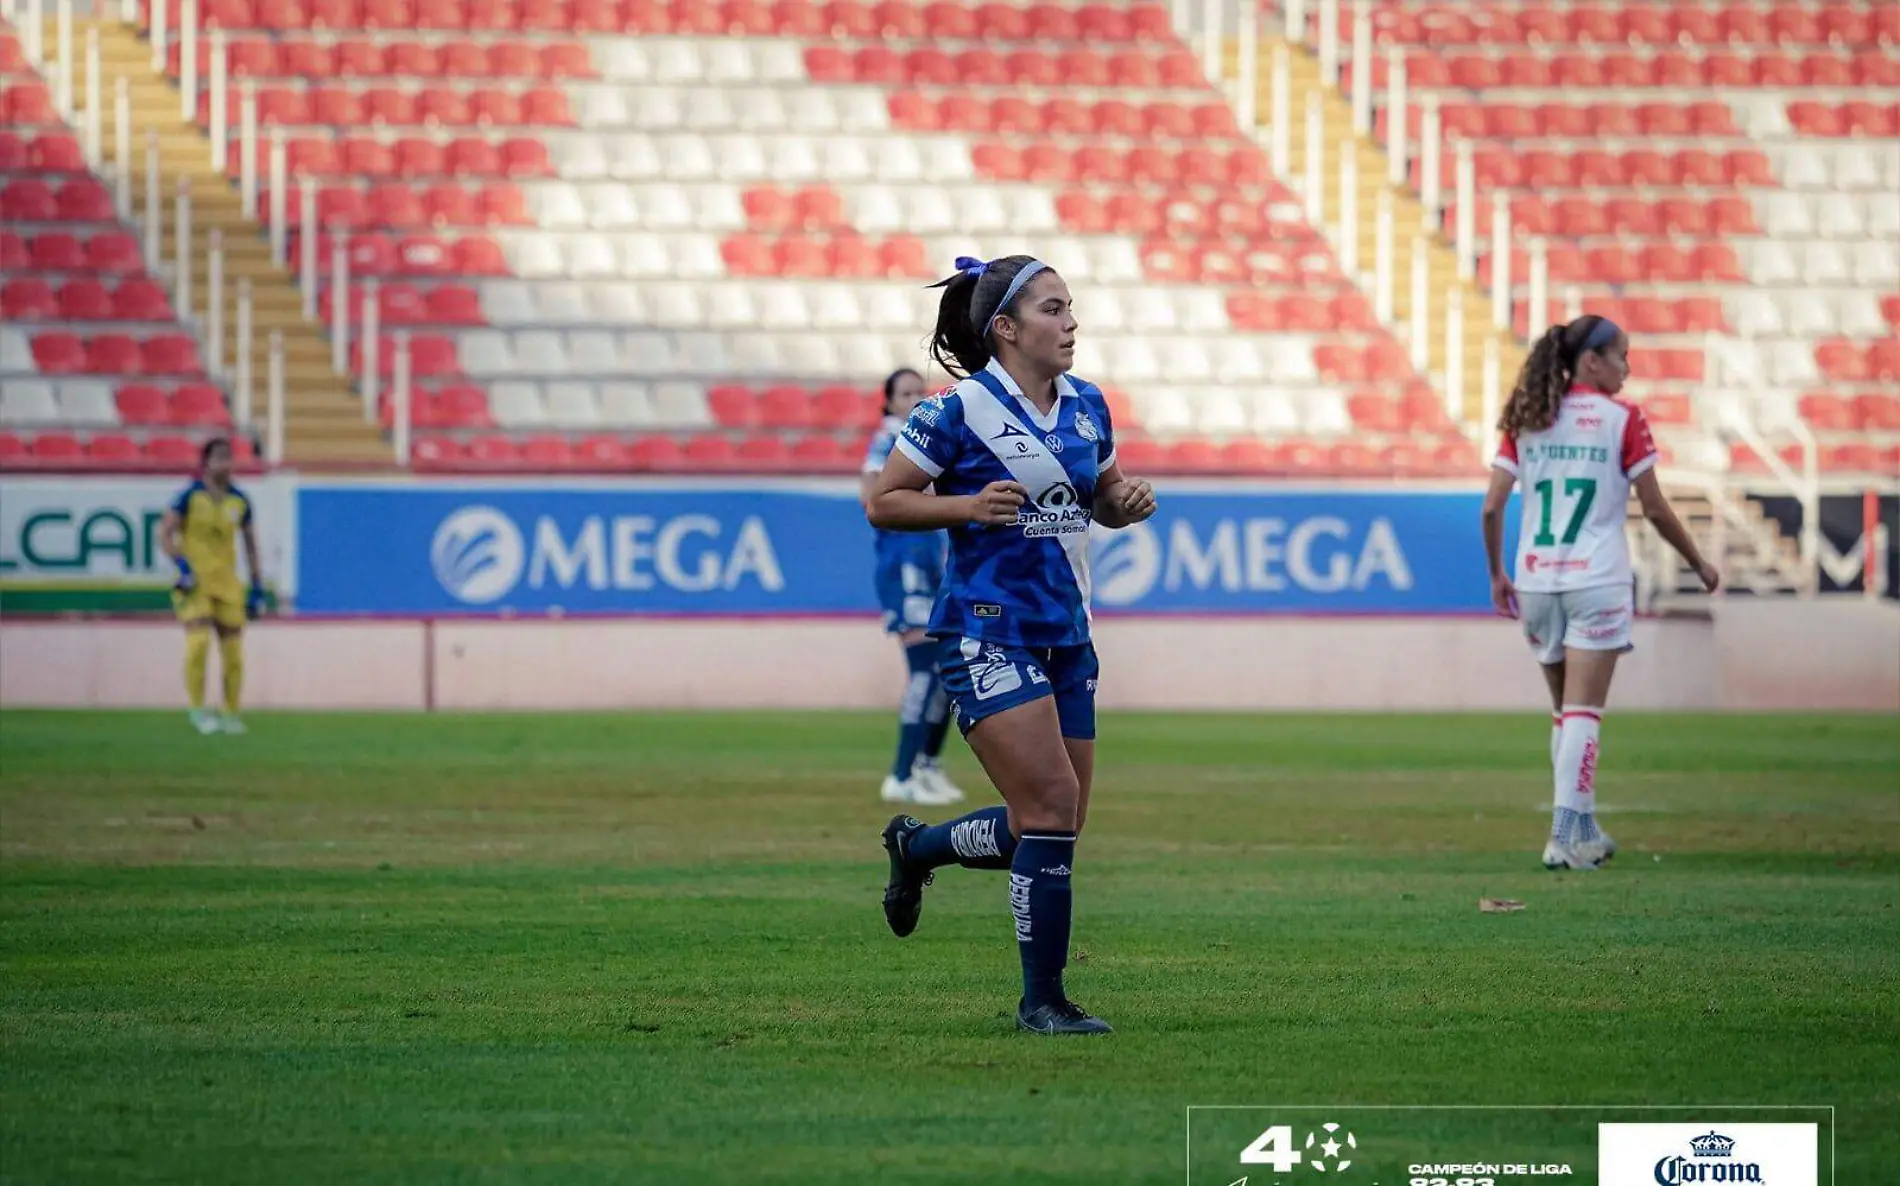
1330,1149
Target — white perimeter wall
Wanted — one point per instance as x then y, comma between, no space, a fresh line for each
1834,654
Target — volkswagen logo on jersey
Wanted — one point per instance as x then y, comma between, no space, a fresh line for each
477,554
1126,563
1054,442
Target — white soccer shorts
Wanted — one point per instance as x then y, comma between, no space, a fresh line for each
1596,619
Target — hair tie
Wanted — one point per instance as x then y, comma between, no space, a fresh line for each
966,266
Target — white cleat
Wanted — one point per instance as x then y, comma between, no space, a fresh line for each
898,790
204,721
928,774
229,723
1568,856
1598,851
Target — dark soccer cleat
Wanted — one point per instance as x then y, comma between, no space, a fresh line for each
1065,1017
904,892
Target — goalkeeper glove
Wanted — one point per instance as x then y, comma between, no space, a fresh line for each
254,602
187,580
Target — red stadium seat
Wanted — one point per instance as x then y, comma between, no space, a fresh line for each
54,448
142,403
89,300
28,298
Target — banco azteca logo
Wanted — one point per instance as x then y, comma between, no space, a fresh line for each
477,554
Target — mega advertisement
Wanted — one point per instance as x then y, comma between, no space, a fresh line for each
804,548
70,544
1845,540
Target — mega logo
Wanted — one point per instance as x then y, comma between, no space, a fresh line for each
480,555
1321,554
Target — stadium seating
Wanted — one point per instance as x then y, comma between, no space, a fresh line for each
595,217
1723,180
96,368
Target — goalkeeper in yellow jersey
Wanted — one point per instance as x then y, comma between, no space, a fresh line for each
200,534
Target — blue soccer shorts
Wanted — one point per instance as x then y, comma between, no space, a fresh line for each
985,678
907,590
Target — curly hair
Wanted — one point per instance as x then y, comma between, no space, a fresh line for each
1549,372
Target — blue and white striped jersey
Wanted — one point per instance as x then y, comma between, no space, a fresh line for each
1026,584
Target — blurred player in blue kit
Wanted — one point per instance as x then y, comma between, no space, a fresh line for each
1022,458
909,570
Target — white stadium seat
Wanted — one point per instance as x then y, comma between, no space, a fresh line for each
1840,216
701,354
1290,361
835,306
709,109
1184,360
643,353
615,304
1856,166
611,207
624,59
87,403
874,209
653,109
783,307
1220,412
1324,413
727,61
755,353
1201,310
763,109
791,159
556,206
1826,263
779,62
677,61
603,107
1876,263
533,257
1806,315
16,353
516,405
898,160
1857,314
640,257
636,157
1275,413
577,158
696,257
1883,215
1785,215
571,405
680,405
1802,166
1753,313
1791,364
683,156
593,352
728,306
929,212
626,405
1165,411
860,109
539,352
1237,360
846,160
27,401
676,306
485,352
586,258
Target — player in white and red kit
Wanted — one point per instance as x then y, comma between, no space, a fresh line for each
1576,451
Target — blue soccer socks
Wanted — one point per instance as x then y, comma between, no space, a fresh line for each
979,840
1040,899
913,725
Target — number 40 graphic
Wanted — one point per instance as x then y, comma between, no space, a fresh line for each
1275,1148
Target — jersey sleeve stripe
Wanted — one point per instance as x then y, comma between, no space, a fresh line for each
918,458
1643,465
1504,463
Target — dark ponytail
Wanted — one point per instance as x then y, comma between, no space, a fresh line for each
1549,372
890,384
970,300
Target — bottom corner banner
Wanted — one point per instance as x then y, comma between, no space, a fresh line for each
1772,1145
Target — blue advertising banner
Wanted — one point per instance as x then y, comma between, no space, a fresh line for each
804,548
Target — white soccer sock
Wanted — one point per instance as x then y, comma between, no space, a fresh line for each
1556,736
1576,771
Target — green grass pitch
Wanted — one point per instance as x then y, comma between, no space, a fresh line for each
648,949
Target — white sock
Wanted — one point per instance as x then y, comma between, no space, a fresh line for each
1556,736
1576,773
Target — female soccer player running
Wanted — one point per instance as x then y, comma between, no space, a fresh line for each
1023,459
1576,451
909,569
200,534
